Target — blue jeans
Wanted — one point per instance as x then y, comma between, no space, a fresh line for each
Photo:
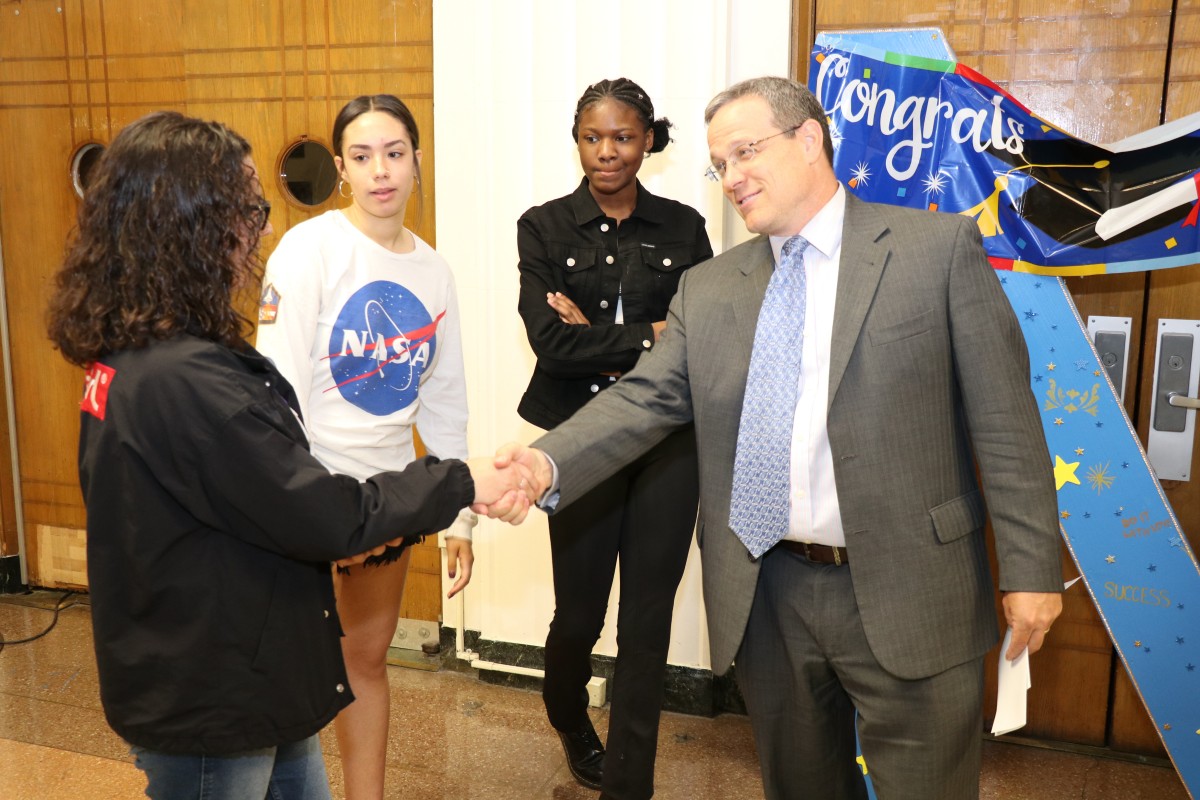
294,771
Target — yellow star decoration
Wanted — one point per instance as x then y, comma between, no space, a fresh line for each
1167,727
1065,514
1058,421
1064,473
1096,373
1078,451
1138,643
1111,559
1051,366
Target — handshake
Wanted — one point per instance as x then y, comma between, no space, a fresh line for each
507,484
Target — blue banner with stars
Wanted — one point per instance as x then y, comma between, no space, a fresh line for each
918,129
1115,519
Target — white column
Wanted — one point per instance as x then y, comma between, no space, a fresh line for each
507,75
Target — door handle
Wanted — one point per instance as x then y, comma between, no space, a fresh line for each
1182,401
1110,336
1173,405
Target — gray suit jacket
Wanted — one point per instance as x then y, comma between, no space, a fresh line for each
928,366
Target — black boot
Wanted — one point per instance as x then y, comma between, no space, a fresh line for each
585,754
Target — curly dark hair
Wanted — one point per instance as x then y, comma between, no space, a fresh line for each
167,234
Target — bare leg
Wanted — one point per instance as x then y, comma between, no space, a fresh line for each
368,601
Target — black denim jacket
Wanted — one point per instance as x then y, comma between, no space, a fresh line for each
568,245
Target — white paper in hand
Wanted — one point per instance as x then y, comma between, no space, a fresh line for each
1012,685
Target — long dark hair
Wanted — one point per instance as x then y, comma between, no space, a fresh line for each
389,104
167,233
632,95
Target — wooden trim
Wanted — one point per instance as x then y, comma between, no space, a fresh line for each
804,33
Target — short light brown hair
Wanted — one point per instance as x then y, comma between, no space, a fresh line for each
791,103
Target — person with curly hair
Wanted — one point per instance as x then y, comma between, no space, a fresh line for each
210,527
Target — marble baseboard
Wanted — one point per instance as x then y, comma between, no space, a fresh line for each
687,690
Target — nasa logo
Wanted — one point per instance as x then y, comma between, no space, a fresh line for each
95,389
381,343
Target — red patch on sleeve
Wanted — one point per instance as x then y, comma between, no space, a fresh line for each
95,389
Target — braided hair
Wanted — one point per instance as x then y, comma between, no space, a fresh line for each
632,95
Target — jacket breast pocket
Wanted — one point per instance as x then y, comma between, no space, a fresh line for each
577,270
666,259
956,518
906,329
664,266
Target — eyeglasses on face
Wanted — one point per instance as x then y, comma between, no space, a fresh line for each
742,154
260,212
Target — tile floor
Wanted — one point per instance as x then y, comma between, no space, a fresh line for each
454,738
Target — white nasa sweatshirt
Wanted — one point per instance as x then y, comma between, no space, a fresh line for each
370,341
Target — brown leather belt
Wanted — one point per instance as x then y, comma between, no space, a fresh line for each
817,553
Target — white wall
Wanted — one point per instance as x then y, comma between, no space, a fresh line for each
507,75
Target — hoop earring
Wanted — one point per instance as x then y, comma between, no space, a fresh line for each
341,185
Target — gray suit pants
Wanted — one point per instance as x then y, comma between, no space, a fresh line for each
805,666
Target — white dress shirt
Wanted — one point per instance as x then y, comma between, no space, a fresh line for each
815,514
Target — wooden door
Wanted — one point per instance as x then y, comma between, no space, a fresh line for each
1170,294
1101,71
78,71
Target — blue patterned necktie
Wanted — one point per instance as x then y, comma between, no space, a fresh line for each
760,505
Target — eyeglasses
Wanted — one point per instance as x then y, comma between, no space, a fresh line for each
260,209
741,154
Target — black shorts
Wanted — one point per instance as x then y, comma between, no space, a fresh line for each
390,555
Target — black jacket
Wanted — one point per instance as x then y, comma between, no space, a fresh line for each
210,532
568,245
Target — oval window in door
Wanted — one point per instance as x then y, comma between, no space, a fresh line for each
83,162
307,174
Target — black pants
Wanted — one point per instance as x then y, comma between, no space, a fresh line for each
645,513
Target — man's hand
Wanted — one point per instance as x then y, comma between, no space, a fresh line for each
502,491
1030,615
533,461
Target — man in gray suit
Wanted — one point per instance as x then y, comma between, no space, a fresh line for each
879,595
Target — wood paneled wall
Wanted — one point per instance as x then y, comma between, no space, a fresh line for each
1102,70
76,71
